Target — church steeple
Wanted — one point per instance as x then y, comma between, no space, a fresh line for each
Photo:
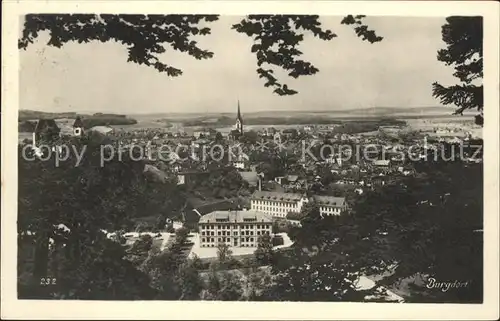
239,113
239,120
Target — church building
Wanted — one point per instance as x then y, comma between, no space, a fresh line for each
239,121
78,127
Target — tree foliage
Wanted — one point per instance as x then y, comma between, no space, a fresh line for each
275,38
264,253
433,229
464,40
65,208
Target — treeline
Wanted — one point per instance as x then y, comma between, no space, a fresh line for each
85,200
28,126
34,114
106,120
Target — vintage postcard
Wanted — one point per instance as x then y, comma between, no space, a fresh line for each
250,160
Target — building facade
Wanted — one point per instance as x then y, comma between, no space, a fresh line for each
279,205
234,228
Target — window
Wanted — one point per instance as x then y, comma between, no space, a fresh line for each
251,239
203,239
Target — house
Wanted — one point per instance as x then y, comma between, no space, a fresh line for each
330,205
293,182
383,164
277,138
204,133
280,180
190,178
379,180
289,133
295,218
241,161
253,179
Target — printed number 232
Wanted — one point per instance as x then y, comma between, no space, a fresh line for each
47,281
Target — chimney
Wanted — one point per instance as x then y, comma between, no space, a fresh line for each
260,183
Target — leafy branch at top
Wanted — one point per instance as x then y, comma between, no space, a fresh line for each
276,37
143,35
464,40
276,40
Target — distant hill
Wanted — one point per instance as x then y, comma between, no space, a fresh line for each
26,114
346,113
390,111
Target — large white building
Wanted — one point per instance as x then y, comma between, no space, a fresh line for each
280,204
234,228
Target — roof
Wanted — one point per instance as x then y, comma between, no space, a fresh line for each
218,205
78,122
102,129
292,178
45,123
245,216
251,177
329,201
276,196
381,162
201,141
155,173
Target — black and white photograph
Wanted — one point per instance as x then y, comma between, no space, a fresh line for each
252,157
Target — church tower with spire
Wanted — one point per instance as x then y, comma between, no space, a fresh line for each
239,121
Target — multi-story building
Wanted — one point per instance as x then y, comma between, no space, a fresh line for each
330,205
277,204
234,228
280,204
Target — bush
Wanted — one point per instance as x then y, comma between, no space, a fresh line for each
281,226
234,264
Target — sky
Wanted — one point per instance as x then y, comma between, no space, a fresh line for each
96,77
